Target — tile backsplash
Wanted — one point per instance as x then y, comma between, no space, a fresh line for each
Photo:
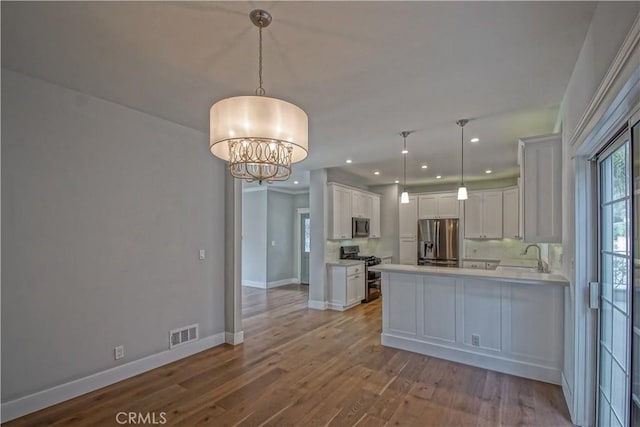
367,247
512,249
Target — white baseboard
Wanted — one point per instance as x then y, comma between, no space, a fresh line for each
317,305
252,284
42,399
568,396
277,283
486,361
234,338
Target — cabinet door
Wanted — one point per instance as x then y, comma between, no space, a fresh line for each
427,207
408,218
408,251
374,224
492,215
367,205
473,216
357,204
511,214
353,289
448,206
345,213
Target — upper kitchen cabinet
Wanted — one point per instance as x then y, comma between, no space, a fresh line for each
442,205
408,218
361,204
339,212
483,215
540,160
511,213
374,223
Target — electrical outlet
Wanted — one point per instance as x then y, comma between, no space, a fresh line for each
475,340
202,253
118,352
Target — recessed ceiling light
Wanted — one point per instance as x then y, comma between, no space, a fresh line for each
349,160
376,173
296,182
475,139
488,171
404,151
438,176
397,181
424,166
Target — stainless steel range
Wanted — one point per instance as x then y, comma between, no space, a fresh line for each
372,286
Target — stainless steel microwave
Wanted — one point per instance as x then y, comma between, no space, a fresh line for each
359,227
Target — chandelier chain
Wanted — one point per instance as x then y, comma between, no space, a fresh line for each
260,90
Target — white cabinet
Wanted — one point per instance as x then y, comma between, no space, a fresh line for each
428,206
408,219
374,223
540,160
483,215
339,212
361,204
444,205
511,213
346,286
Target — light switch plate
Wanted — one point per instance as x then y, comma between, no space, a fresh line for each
202,254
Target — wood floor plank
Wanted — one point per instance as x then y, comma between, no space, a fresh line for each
302,367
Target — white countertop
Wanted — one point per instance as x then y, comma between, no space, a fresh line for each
345,262
504,276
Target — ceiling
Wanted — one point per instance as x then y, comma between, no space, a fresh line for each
363,71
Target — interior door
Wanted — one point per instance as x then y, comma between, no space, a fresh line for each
614,176
305,247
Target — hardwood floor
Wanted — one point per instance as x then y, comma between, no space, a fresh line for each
301,367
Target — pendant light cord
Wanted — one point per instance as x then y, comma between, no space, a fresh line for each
260,91
405,163
462,157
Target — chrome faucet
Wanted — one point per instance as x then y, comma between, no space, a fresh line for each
540,264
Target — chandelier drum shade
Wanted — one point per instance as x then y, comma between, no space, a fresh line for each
259,136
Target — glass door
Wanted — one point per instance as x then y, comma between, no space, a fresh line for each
614,174
635,337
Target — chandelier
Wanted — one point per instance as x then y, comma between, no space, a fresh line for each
259,136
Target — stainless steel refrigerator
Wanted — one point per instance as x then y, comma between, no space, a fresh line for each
438,242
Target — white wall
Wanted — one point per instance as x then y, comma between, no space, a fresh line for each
318,217
254,238
104,211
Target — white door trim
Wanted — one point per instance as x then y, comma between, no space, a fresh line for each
296,237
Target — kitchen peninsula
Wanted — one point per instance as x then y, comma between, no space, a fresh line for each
510,322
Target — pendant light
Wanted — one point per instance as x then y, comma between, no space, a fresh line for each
404,197
259,136
462,190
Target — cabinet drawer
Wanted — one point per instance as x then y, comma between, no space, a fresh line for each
355,269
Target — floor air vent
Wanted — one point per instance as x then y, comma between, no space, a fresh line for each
183,335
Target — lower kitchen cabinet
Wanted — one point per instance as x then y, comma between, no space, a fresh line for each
346,286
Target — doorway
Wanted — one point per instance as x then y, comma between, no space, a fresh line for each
614,276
